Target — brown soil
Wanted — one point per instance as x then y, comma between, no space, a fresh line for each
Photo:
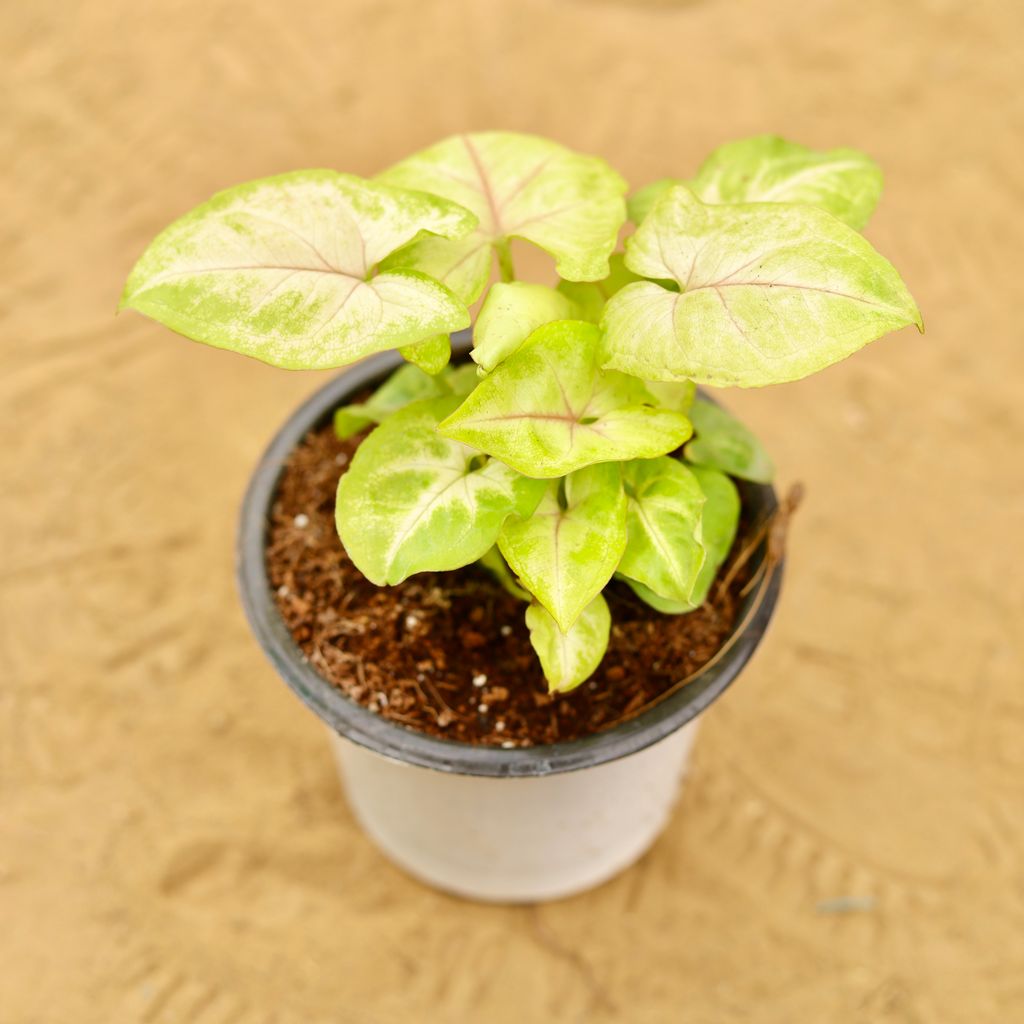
449,653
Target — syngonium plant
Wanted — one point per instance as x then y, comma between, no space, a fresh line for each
573,449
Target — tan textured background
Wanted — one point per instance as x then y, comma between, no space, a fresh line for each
173,843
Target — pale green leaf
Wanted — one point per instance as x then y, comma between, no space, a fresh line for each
767,169
281,269
664,549
460,380
566,552
720,518
643,200
550,409
413,501
518,186
589,297
569,658
768,293
510,314
722,442
673,394
431,356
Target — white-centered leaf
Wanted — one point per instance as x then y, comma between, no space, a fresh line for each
510,314
518,186
722,442
767,169
550,409
281,269
664,549
720,518
569,658
566,552
406,385
768,293
413,501
590,297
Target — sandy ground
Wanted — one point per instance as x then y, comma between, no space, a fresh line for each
174,846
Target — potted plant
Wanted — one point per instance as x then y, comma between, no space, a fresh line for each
552,553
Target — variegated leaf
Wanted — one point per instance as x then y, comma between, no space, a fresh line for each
550,409
282,269
519,186
568,659
566,552
768,293
722,442
414,501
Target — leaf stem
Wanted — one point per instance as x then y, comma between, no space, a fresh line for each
504,250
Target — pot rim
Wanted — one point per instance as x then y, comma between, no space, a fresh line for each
400,743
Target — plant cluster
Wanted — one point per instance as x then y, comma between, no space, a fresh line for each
573,449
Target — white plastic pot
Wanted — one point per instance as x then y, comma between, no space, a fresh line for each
515,840
521,824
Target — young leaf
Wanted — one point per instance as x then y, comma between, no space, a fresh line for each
720,517
565,556
407,384
767,169
569,658
518,186
589,297
510,314
280,269
673,394
549,409
431,356
664,549
722,442
768,293
413,501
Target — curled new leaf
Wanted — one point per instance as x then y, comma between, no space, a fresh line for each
518,186
566,552
281,269
722,442
413,501
510,314
550,409
664,549
768,293
569,658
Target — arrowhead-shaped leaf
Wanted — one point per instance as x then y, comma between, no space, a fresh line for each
768,293
566,552
518,186
722,442
767,169
720,517
510,314
281,269
664,549
414,501
550,409
569,658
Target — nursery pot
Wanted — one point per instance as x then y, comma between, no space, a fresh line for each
484,822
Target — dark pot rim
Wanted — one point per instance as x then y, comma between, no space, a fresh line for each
400,743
